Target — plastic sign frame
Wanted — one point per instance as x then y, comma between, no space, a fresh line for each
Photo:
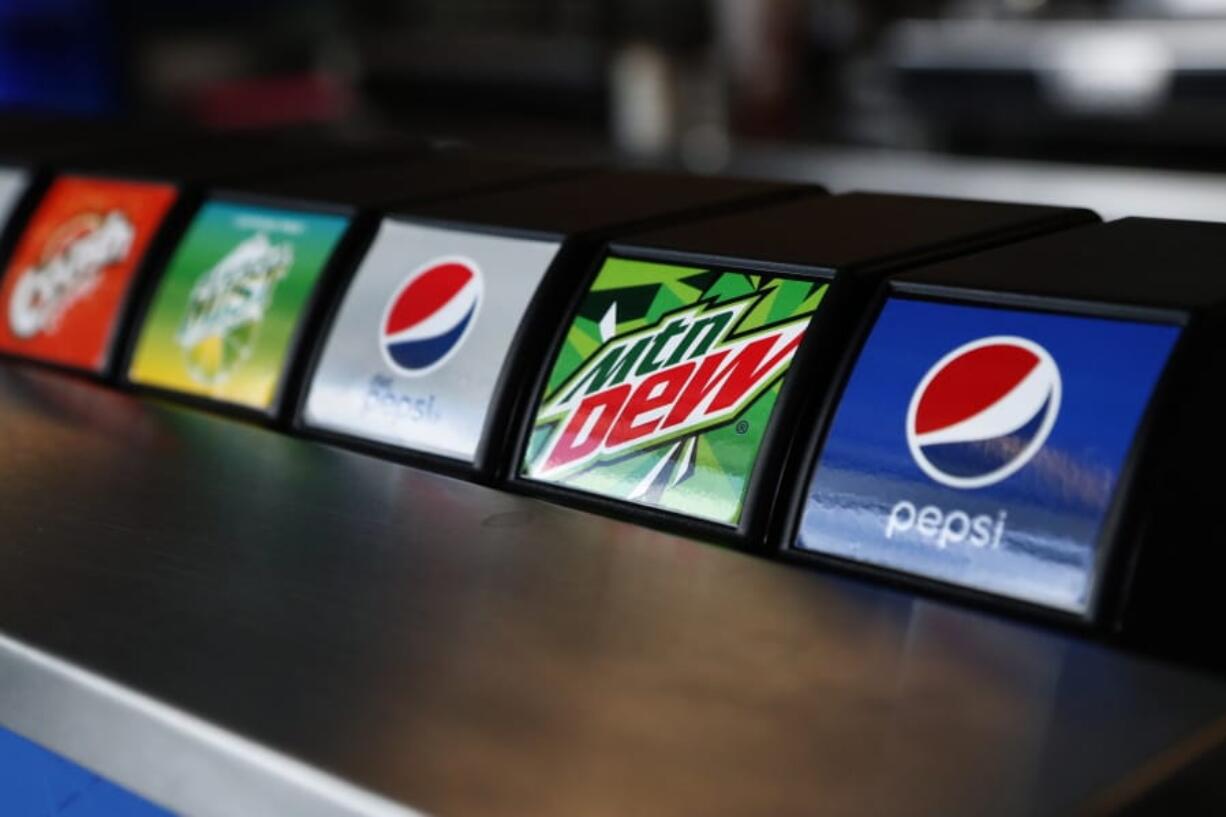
818,347
353,231
437,247
1112,544
18,183
100,255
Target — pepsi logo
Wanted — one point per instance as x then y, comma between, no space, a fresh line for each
430,315
983,411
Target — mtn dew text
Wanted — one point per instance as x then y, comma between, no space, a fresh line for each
665,386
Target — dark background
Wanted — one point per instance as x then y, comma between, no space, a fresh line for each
1127,81
763,86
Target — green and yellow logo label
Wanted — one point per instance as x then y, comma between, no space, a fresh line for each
226,311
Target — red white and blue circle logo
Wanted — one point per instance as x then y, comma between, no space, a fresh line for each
430,315
983,411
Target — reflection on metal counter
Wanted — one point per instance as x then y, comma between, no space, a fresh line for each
411,634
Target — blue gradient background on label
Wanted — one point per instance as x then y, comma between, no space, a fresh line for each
1056,503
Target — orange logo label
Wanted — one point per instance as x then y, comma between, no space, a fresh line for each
70,275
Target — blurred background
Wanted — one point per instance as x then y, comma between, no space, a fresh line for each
1113,104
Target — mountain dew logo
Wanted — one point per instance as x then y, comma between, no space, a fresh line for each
666,384
684,374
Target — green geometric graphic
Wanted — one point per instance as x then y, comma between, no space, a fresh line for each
666,384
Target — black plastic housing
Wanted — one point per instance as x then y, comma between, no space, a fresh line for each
853,241
582,213
354,191
39,146
1161,550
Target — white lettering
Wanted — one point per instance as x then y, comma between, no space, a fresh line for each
942,528
43,293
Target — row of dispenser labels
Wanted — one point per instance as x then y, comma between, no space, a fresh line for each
978,396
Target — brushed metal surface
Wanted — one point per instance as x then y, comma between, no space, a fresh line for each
159,752
469,652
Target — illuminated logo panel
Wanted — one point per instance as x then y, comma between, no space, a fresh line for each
414,355
983,447
225,315
666,384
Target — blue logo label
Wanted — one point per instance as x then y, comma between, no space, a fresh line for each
982,446
430,315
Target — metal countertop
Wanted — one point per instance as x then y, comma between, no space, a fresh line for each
233,621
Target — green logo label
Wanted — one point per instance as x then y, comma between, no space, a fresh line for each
226,311
666,384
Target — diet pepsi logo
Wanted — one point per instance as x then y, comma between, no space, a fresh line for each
983,411
430,315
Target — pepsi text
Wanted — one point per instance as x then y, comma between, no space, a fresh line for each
943,528
1004,434
384,399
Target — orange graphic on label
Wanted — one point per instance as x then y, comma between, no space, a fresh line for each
63,291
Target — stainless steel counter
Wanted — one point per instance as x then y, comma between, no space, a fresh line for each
231,621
